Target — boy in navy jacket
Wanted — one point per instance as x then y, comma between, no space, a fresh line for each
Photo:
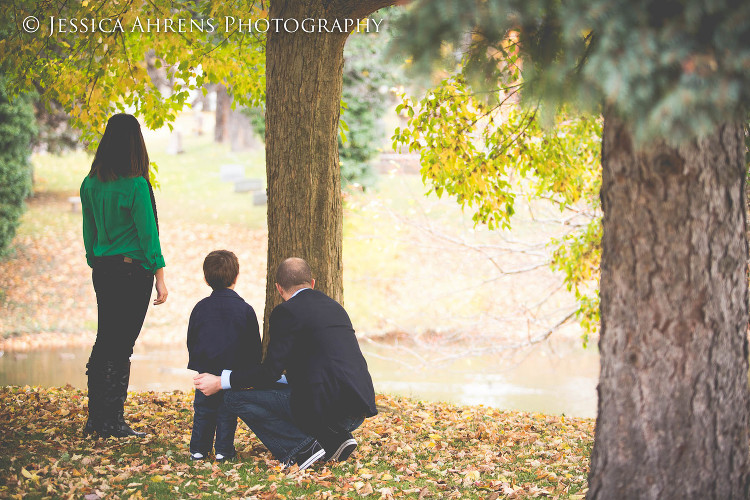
222,331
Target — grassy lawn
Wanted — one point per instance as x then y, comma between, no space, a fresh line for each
190,188
410,449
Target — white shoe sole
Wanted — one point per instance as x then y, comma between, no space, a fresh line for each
347,448
313,458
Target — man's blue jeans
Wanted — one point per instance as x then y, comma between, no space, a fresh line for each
268,413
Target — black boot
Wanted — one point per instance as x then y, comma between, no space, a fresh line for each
116,379
95,420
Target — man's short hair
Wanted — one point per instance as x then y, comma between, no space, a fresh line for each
293,272
220,268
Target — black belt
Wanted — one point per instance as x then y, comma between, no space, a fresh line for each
115,259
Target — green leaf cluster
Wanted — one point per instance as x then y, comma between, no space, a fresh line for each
17,131
578,256
487,151
97,73
367,79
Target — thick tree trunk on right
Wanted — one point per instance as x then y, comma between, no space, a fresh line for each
673,391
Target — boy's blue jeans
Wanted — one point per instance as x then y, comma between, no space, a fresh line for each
212,417
268,413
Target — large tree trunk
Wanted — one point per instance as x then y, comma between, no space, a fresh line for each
673,390
303,93
303,101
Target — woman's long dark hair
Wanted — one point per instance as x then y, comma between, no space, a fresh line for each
122,153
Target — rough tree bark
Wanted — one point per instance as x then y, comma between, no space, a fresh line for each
673,390
303,95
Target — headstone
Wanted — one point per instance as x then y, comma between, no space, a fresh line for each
174,147
75,203
260,198
246,185
231,173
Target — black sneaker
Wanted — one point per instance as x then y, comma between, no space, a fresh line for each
308,456
344,450
339,445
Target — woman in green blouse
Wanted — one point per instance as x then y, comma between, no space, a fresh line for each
121,237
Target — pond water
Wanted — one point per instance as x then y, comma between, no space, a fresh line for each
554,381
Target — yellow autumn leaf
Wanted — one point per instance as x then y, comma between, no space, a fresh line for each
365,490
472,475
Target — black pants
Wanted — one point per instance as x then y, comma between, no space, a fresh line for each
123,291
212,417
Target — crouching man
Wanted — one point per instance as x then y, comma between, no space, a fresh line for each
329,391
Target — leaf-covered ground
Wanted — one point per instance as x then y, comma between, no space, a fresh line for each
410,450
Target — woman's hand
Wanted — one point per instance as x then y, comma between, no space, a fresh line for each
161,287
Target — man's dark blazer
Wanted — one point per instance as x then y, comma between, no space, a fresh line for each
223,333
313,340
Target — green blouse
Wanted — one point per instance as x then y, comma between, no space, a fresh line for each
118,219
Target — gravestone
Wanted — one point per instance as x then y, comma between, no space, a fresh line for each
247,185
174,147
231,173
260,198
75,203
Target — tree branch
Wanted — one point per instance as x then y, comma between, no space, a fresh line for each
362,8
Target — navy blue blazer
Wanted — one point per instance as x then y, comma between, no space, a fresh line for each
223,333
313,339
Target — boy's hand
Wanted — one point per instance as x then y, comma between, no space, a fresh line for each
207,383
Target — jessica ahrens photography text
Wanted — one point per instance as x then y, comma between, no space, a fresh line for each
54,25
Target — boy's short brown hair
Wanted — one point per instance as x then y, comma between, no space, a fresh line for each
221,268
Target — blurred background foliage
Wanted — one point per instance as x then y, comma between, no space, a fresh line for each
17,131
